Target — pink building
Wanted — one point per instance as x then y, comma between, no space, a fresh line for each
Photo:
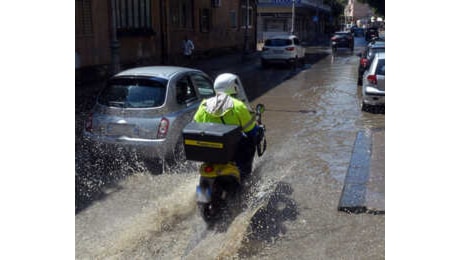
358,13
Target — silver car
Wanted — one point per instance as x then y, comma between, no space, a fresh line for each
143,110
373,88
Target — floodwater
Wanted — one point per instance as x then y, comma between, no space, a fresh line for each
289,208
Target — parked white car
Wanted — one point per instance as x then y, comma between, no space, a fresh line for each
374,83
282,49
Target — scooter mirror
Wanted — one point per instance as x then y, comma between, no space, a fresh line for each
260,108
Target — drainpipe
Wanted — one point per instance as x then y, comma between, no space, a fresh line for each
163,35
114,43
246,31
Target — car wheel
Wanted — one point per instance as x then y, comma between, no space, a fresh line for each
264,63
295,63
365,107
153,165
304,60
177,156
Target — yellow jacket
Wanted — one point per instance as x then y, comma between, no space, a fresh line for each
225,109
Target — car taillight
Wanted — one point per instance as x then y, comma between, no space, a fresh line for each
89,123
333,38
163,129
290,48
372,79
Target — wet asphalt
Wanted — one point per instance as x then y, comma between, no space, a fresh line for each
366,172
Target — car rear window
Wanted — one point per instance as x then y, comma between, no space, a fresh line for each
380,67
133,93
373,51
278,42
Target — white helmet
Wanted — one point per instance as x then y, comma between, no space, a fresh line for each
226,83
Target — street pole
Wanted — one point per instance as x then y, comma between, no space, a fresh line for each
114,43
293,16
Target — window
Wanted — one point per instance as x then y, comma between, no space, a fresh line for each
203,85
278,42
133,93
133,17
233,20
185,92
205,20
246,16
83,17
296,41
381,67
182,14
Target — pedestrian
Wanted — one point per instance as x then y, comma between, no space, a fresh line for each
188,47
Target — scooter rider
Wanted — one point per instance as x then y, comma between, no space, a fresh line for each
225,108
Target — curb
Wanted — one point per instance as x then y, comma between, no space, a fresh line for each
365,180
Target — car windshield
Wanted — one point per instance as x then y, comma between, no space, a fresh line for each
278,42
133,93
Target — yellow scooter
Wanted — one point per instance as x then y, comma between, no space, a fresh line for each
220,178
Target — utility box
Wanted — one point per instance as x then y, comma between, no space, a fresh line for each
211,142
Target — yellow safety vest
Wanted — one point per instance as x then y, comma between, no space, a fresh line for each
238,115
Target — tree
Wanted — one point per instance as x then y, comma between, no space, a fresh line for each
337,7
377,5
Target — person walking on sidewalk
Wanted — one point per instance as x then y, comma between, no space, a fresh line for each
187,47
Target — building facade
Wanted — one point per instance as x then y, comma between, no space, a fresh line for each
115,34
305,18
358,13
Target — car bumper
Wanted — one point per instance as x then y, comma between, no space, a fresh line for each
144,148
373,96
277,59
341,44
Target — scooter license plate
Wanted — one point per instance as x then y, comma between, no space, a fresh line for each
203,195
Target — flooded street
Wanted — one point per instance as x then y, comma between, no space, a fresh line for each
289,209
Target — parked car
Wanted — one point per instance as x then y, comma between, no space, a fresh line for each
143,110
342,39
376,40
373,88
284,49
366,57
371,33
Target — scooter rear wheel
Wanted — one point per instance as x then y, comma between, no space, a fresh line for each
210,212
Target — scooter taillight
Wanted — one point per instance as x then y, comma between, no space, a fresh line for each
208,169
